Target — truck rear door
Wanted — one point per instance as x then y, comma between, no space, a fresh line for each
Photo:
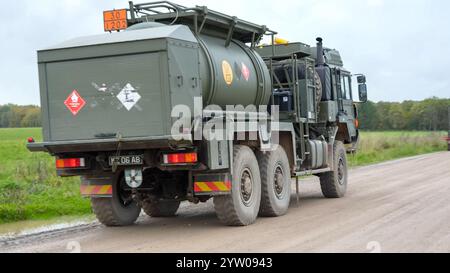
117,85
106,97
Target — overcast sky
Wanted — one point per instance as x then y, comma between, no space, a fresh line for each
401,45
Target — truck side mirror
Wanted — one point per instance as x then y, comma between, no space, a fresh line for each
362,88
361,79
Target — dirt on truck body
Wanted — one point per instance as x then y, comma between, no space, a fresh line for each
185,104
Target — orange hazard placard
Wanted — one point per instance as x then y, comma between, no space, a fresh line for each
115,19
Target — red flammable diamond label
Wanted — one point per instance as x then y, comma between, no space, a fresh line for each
245,72
75,102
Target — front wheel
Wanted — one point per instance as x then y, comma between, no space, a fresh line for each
334,183
118,210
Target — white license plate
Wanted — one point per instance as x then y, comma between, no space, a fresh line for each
126,160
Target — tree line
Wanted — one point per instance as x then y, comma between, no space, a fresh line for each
427,115
430,115
15,116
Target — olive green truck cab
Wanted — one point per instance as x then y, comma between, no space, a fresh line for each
180,103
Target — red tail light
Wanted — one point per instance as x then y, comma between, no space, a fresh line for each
68,163
182,158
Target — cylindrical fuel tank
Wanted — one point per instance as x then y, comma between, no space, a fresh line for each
230,75
233,75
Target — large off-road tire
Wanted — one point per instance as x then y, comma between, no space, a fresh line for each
275,182
334,184
241,206
117,210
161,208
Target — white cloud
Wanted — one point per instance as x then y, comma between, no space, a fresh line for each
375,3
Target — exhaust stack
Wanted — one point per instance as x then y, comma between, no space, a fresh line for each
320,57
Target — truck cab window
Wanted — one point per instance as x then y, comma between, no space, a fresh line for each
348,84
345,87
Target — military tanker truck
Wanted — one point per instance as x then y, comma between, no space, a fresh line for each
180,104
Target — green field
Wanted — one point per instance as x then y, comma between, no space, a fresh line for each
377,147
29,188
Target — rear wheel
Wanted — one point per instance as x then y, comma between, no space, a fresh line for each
118,210
275,183
241,206
161,208
334,183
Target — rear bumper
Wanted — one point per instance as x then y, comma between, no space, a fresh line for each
97,145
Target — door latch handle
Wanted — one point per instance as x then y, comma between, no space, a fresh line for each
194,82
180,81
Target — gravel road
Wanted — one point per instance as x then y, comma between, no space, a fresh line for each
398,206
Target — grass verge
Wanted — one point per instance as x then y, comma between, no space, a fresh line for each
377,147
29,187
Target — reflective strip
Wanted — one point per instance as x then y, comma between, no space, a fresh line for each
96,190
223,186
203,186
213,186
219,186
105,190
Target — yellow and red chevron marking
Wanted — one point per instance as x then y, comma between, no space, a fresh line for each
96,190
217,186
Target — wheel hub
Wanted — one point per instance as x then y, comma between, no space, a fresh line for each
278,181
246,186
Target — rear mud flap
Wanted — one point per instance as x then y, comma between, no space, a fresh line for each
97,186
212,184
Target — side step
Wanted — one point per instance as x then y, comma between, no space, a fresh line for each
303,173
311,172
